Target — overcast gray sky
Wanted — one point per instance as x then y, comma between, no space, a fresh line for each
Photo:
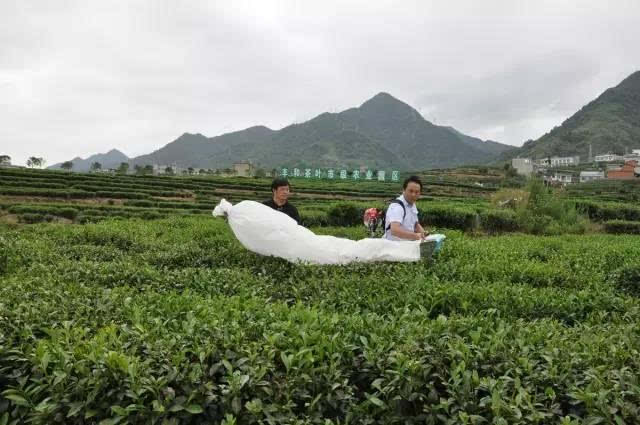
81,77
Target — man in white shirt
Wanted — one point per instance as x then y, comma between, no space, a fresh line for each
401,222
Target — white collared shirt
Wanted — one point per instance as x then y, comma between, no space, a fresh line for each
394,215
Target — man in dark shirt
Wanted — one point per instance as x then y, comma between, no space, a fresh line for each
280,199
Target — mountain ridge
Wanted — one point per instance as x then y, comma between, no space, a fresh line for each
110,159
382,132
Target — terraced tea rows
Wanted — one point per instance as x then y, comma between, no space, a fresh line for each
155,313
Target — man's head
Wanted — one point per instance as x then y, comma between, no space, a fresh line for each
280,190
411,189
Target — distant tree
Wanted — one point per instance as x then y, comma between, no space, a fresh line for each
191,170
202,171
147,170
5,160
67,165
123,168
168,170
35,161
483,170
185,172
96,166
217,172
138,169
260,172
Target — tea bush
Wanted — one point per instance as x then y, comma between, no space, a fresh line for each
31,218
622,226
450,218
172,321
498,221
600,211
627,278
345,214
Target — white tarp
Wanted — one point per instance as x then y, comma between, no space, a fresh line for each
266,231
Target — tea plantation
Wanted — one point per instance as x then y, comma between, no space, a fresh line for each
167,319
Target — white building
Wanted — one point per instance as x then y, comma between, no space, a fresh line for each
609,157
523,166
543,162
243,168
558,161
162,169
561,161
586,176
635,151
562,178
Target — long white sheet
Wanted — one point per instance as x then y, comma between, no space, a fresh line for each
266,231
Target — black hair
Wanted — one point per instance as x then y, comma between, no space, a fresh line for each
279,182
414,179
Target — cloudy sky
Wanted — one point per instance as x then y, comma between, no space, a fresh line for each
81,77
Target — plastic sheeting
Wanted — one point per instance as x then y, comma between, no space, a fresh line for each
266,231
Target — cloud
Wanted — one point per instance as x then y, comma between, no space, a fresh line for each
80,77
518,97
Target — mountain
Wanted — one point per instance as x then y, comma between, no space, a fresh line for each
381,133
111,159
489,146
198,151
610,123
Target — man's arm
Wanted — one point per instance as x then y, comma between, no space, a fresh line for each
399,232
419,229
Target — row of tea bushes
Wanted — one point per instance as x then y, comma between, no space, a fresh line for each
622,226
135,183
603,211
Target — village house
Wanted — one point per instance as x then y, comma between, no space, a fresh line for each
633,156
562,161
159,169
523,166
560,177
243,168
587,176
558,161
628,171
608,157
